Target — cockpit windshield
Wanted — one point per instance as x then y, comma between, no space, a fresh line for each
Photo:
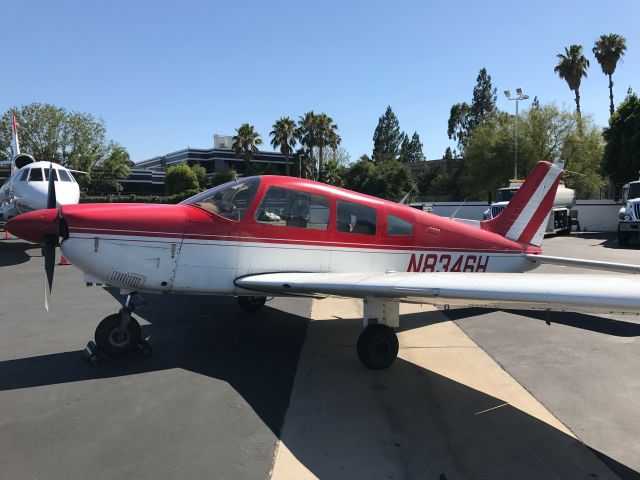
505,195
230,200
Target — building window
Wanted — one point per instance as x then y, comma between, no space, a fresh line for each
356,218
398,226
291,208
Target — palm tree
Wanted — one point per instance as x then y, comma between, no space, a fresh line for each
608,50
284,136
307,131
572,66
326,136
245,143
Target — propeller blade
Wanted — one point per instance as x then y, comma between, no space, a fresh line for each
51,194
50,241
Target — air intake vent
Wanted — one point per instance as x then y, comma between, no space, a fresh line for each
636,211
495,210
128,280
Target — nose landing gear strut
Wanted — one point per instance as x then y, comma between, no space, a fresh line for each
118,334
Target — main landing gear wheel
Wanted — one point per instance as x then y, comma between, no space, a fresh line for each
377,346
251,304
114,340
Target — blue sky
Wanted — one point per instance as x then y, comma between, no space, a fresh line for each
167,75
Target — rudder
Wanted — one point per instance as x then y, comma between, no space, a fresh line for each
524,218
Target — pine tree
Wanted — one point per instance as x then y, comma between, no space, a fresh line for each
483,104
464,117
411,150
387,138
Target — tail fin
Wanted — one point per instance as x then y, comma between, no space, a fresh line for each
15,145
525,217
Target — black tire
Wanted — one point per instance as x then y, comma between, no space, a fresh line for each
111,341
377,346
252,304
623,238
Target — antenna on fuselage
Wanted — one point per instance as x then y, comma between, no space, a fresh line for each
455,212
404,199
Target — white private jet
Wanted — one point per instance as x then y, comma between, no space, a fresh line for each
27,187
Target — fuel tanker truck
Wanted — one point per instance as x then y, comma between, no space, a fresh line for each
562,217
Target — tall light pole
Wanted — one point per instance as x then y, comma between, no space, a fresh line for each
519,96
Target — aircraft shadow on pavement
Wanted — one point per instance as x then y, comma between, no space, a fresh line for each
14,253
583,321
405,420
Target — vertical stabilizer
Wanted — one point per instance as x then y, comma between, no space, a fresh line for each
525,217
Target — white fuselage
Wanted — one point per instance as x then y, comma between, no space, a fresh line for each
161,264
27,189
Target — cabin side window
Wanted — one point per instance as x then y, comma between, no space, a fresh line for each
398,226
356,218
291,208
24,175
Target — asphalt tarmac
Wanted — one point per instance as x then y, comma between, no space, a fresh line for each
212,400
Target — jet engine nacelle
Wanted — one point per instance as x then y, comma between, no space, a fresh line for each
23,159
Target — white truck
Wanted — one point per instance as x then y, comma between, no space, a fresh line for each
562,217
629,214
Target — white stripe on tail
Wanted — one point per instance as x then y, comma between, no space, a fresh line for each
525,217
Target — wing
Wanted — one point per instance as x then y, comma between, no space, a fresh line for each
558,292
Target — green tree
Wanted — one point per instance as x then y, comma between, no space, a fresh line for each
464,118
546,134
326,136
387,138
583,150
180,178
307,134
53,134
390,179
103,176
201,175
223,176
608,50
571,67
245,143
411,150
283,136
622,152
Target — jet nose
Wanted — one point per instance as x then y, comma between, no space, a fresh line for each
33,225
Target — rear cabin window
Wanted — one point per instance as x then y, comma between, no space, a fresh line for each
356,218
24,175
291,208
398,226
35,175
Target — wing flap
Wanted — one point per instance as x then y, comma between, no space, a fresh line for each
561,292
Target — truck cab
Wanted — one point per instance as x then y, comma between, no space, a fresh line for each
629,214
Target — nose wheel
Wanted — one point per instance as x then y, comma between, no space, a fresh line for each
117,334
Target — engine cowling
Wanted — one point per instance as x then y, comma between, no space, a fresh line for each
23,159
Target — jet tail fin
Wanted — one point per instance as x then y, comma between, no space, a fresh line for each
525,217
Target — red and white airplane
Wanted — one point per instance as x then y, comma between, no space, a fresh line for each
286,236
